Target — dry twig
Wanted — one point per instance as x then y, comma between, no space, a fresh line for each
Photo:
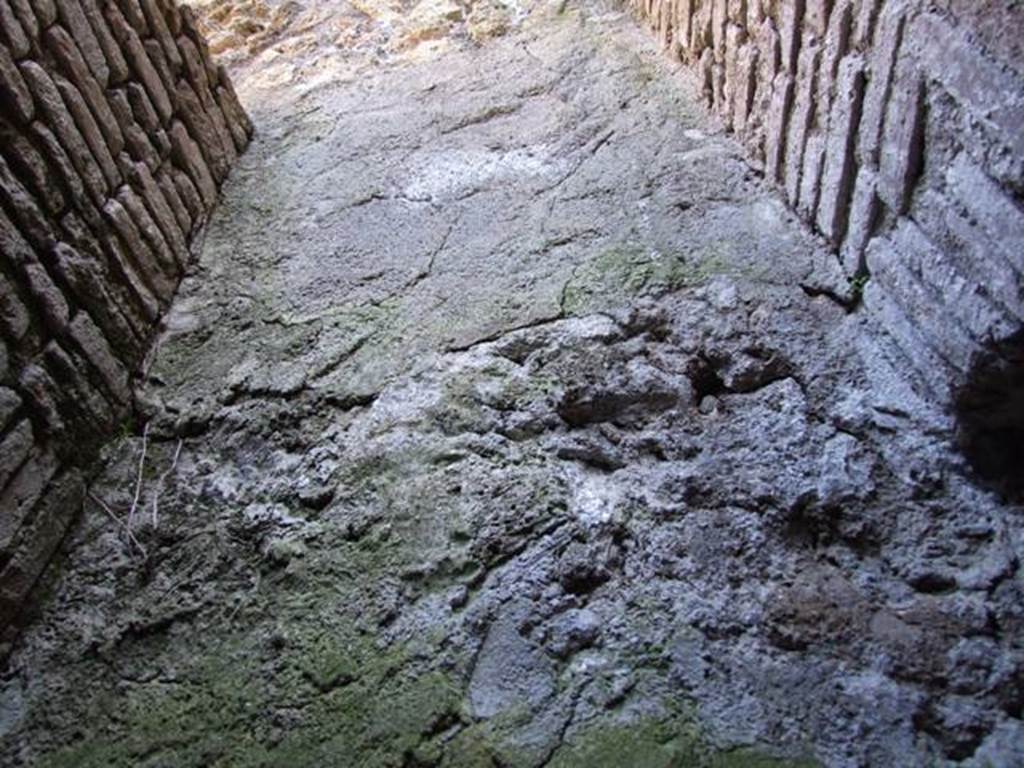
162,480
117,521
138,482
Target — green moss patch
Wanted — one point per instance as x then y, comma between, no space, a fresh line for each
629,270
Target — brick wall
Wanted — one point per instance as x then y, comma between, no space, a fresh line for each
895,128
116,129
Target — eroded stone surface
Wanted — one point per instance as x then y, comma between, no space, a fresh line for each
517,428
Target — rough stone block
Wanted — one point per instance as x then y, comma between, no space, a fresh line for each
734,36
865,208
840,164
777,125
704,65
53,307
15,446
45,10
135,16
13,88
964,302
924,308
792,16
158,28
220,125
864,23
881,66
718,100
745,88
90,131
816,16
769,60
39,391
163,145
37,541
137,141
987,89
189,196
28,215
236,109
43,292
971,249
142,108
14,317
902,149
64,127
21,154
154,238
132,280
145,263
9,405
155,52
757,12
235,118
73,17
664,17
29,23
187,155
173,198
119,71
162,214
88,284
140,63
96,348
172,15
801,120
120,287
217,148
81,397
810,177
68,54
683,26
12,33
21,495
701,31
64,167
923,365
194,69
996,213
719,20
190,26
836,45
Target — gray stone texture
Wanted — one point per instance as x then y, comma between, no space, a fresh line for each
513,420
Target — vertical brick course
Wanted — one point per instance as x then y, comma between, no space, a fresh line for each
893,127
116,129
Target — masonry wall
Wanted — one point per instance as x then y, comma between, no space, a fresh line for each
895,128
116,130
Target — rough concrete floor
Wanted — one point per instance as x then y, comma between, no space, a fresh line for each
504,421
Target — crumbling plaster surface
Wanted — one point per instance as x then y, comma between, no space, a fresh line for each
509,419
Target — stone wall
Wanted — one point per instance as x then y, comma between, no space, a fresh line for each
116,129
895,128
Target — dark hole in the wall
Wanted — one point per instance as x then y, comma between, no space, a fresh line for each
990,416
704,377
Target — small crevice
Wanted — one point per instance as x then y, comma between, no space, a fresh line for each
539,322
849,303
